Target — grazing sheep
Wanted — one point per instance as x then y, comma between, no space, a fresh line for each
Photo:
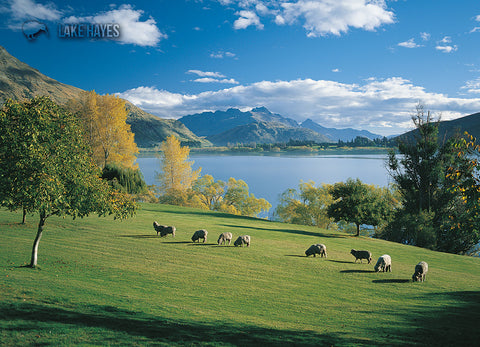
361,255
164,230
200,234
421,270
224,237
317,249
384,264
242,240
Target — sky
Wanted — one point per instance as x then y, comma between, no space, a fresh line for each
364,64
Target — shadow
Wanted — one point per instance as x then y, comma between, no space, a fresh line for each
341,261
452,321
295,256
290,231
202,244
140,328
141,236
392,280
356,271
177,242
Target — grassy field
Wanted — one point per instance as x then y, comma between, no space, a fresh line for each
105,282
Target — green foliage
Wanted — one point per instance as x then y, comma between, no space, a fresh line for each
46,167
439,189
124,179
308,206
113,283
359,203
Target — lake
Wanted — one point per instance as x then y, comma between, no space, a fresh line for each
268,176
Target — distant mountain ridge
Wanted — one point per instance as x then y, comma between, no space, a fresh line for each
235,126
19,81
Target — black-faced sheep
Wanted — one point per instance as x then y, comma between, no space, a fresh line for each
319,248
224,237
242,240
361,255
164,230
384,263
421,270
200,234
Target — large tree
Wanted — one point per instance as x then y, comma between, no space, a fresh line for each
176,173
104,120
46,166
438,183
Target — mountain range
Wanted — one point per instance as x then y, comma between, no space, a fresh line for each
19,81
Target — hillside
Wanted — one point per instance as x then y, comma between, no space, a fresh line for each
19,81
104,282
263,132
334,134
447,129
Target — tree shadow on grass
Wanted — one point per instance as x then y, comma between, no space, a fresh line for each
392,280
341,261
356,271
107,320
290,231
452,320
140,236
295,255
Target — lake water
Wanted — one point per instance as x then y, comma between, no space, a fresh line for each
268,176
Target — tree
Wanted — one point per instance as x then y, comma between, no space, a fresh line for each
359,203
176,171
126,180
209,191
308,206
238,200
104,120
46,166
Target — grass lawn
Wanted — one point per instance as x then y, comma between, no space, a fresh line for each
105,282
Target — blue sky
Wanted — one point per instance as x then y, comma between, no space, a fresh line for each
343,63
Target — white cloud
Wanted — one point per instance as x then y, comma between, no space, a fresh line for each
22,10
409,44
381,105
335,70
446,49
446,39
472,86
318,17
246,19
132,29
425,36
215,80
221,55
205,73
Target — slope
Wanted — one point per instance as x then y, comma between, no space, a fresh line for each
334,134
20,81
105,282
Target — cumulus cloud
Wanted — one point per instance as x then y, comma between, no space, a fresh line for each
205,73
132,29
472,86
318,17
247,18
409,44
211,77
380,105
21,10
446,49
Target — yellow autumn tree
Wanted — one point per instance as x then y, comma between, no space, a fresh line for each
104,118
176,175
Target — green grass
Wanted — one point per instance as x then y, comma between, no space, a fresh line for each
105,282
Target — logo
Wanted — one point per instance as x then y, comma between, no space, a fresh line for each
89,31
33,28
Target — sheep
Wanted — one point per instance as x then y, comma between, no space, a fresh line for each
384,264
224,237
164,230
317,249
421,270
361,255
200,234
242,240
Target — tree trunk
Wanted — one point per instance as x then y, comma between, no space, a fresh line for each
24,219
41,223
358,230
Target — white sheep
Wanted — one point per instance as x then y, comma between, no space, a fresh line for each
164,230
318,248
242,240
384,264
421,270
224,237
200,234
